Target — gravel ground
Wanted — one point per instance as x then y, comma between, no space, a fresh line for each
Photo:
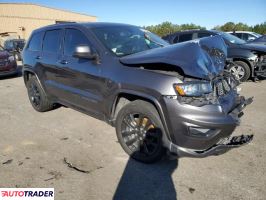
33,147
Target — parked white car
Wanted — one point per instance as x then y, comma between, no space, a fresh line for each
245,35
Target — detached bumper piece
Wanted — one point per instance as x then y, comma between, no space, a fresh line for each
237,112
261,69
221,147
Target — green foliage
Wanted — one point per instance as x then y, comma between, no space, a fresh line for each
260,28
230,26
166,28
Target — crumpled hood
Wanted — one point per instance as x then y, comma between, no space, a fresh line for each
204,58
254,47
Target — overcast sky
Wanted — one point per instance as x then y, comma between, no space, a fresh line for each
208,13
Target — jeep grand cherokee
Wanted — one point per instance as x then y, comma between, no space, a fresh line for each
158,96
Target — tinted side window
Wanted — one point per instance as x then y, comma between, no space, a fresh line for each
238,35
51,41
185,37
35,42
73,38
201,35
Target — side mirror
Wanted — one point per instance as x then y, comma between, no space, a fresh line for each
84,51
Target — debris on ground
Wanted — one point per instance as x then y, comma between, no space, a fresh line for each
191,190
20,163
7,162
64,138
70,165
55,175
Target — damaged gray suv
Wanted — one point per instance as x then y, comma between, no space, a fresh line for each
159,97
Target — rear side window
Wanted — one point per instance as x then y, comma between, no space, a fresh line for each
185,37
35,42
73,38
201,35
51,41
238,35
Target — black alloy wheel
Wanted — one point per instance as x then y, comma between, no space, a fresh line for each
139,131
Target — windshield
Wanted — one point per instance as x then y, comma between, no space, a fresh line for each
20,44
258,35
14,44
231,38
126,40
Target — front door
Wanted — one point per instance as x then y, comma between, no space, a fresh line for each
81,77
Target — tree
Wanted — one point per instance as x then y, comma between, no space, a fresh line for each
229,26
166,28
260,28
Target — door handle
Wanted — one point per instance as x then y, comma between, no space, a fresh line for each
63,62
38,57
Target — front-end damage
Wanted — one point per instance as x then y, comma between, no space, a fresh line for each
260,65
205,107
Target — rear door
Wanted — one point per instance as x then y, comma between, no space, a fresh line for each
32,52
81,77
51,55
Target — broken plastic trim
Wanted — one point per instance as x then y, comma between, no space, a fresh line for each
221,147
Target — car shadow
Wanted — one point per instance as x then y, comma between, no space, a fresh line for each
147,181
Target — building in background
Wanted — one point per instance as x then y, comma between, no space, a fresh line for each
20,19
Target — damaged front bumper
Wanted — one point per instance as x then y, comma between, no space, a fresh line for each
221,147
260,69
217,140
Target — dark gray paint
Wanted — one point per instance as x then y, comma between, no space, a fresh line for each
93,88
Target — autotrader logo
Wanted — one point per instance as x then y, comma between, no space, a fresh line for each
27,193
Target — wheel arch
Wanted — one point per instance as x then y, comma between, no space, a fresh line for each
27,73
130,96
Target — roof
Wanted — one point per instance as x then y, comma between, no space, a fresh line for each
240,32
84,24
34,4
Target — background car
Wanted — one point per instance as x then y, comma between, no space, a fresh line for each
260,40
245,35
8,64
15,46
249,60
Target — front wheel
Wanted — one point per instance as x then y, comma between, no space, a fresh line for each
139,131
240,70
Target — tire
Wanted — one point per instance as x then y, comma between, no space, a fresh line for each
141,138
240,70
37,96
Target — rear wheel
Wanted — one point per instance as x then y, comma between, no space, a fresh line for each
139,131
240,70
37,96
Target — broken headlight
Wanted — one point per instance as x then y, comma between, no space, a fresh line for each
193,89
